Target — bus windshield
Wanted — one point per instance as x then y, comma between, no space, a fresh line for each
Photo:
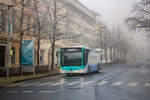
71,58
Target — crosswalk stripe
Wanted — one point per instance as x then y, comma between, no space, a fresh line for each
46,91
42,84
27,91
13,85
117,83
25,85
72,83
103,82
59,83
50,91
133,84
38,84
147,85
89,82
12,91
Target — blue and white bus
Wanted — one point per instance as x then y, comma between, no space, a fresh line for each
79,59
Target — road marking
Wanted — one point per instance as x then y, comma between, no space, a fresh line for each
117,83
133,84
72,83
147,85
111,75
103,82
12,91
60,83
46,91
50,91
27,91
43,84
89,82
13,85
25,85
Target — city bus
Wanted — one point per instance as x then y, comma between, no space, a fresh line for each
79,59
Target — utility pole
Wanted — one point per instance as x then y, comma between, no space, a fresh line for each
101,43
8,40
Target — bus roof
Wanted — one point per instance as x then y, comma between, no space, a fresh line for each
77,47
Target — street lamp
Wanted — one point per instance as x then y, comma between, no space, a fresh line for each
101,42
9,6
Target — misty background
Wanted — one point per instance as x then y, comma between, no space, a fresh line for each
115,12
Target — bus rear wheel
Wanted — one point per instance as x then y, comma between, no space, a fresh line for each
89,69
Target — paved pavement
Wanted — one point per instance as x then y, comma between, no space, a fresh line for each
117,82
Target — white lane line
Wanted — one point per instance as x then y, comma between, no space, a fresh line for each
103,82
73,83
25,85
12,91
133,84
42,84
89,82
147,85
118,83
27,91
13,85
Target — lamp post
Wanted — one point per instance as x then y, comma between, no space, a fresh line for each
101,42
8,40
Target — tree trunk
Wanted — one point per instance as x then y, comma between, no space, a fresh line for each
115,56
38,52
120,56
125,56
20,52
21,33
106,54
110,54
53,56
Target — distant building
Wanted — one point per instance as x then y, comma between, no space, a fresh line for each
83,24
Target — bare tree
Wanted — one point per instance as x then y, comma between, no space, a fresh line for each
23,10
141,9
56,24
39,25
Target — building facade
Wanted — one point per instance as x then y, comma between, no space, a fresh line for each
83,24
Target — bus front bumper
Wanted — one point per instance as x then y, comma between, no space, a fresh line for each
77,71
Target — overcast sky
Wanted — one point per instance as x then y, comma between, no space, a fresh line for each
112,11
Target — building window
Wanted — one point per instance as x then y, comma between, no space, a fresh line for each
28,3
42,57
2,20
13,55
34,28
28,25
14,21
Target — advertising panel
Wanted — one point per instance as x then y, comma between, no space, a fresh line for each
27,58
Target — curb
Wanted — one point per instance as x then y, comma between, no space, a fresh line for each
36,77
48,75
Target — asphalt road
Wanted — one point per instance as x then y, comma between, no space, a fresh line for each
117,82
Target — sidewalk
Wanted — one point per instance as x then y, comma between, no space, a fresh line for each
4,81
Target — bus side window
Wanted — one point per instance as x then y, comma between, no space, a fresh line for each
85,56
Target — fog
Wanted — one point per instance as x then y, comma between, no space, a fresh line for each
114,12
